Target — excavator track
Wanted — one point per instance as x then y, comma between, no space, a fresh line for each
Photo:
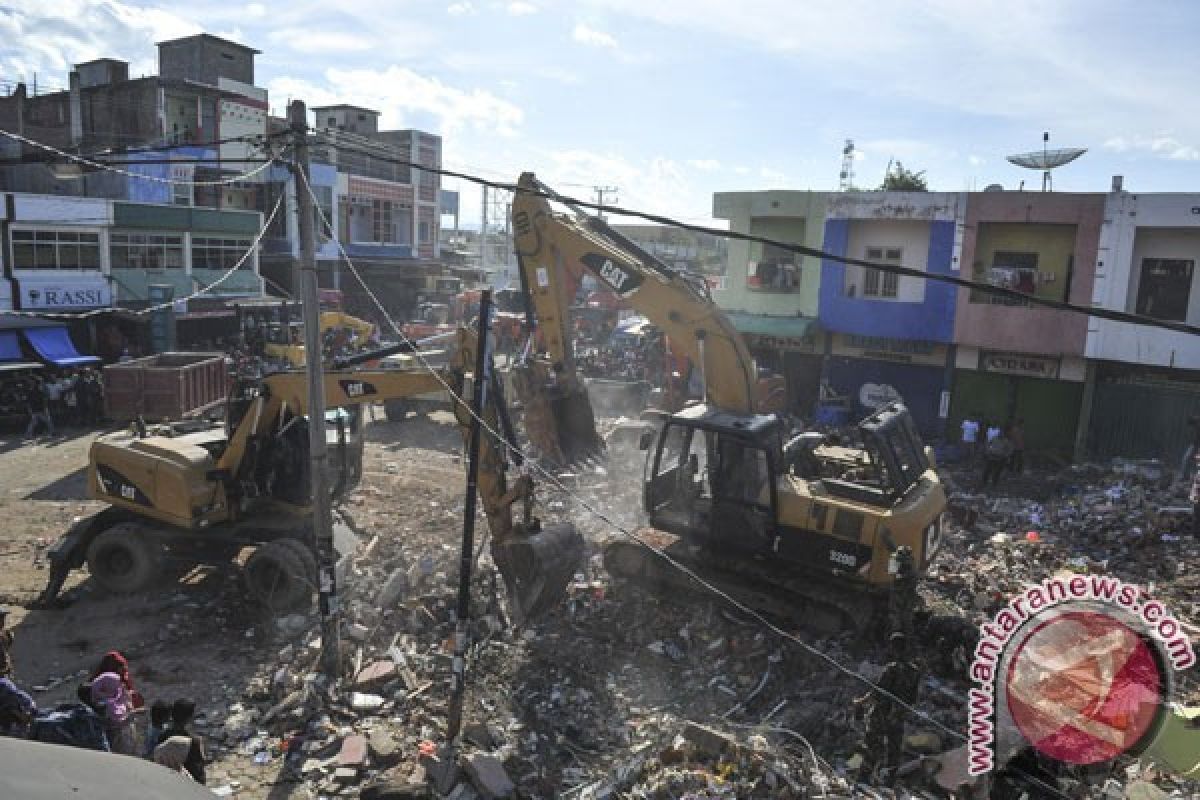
820,604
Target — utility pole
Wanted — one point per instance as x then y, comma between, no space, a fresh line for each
601,191
479,400
304,280
483,253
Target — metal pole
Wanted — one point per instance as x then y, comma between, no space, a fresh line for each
305,278
482,379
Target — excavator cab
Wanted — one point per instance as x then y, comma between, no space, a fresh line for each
712,476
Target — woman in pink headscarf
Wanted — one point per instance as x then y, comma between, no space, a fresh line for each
112,701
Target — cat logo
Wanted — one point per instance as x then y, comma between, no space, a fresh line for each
623,279
522,224
356,389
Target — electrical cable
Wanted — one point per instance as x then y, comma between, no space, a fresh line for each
169,303
986,288
498,437
170,181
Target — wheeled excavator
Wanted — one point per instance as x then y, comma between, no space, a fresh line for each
196,493
795,523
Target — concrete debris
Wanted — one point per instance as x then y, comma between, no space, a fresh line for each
489,777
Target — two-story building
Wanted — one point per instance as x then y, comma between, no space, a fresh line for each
1144,382
772,293
890,336
1015,359
72,255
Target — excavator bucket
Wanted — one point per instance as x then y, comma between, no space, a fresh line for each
559,420
537,568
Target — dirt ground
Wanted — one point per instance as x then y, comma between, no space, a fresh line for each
195,636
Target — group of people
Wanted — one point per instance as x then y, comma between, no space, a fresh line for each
105,716
1000,447
73,397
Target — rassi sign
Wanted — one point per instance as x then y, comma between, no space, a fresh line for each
64,296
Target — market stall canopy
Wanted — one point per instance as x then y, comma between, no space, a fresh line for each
55,346
16,322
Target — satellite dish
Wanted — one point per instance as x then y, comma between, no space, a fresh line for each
1046,160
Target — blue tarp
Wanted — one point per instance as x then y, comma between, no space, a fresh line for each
10,348
55,345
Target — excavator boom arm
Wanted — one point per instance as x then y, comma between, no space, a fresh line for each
555,250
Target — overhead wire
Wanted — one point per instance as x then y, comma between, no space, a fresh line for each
913,272
154,178
207,289
590,508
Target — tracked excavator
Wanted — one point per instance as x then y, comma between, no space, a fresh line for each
197,493
793,523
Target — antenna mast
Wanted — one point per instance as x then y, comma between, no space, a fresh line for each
846,182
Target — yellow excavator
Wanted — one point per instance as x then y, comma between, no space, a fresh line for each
201,493
291,352
797,523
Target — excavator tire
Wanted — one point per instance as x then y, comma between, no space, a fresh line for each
306,555
276,576
124,558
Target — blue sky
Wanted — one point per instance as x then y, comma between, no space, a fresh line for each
671,100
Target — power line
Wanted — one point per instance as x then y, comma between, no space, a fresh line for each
581,501
160,306
965,283
171,181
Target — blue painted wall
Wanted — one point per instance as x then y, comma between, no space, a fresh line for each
144,191
919,386
931,320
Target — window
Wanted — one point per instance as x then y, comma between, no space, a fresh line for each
1165,287
423,232
1013,270
876,282
332,122
146,250
323,210
383,225
222,254
777,271
55,250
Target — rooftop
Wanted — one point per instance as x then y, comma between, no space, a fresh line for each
209,36
347,107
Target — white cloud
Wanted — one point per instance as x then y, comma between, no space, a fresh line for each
460,9
400,94
1162,145
318,42
975,161
772,175
256,11
704,164
590,36
521,9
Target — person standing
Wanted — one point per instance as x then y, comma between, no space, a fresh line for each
970,435
38,402
1195,498
1016,438
996,455
903,600
6,645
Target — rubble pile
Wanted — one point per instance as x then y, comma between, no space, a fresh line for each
625,693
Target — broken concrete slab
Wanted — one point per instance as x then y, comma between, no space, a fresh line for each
707,742
384,749
489,776
375,674
443,772
353,752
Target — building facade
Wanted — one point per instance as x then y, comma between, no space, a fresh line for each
1143,383
72,255
890,336
771,293
1014,359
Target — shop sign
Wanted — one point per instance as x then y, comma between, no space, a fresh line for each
757,341
1019,364
877,395
54,295
902,351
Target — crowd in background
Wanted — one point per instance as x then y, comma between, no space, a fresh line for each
70,397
